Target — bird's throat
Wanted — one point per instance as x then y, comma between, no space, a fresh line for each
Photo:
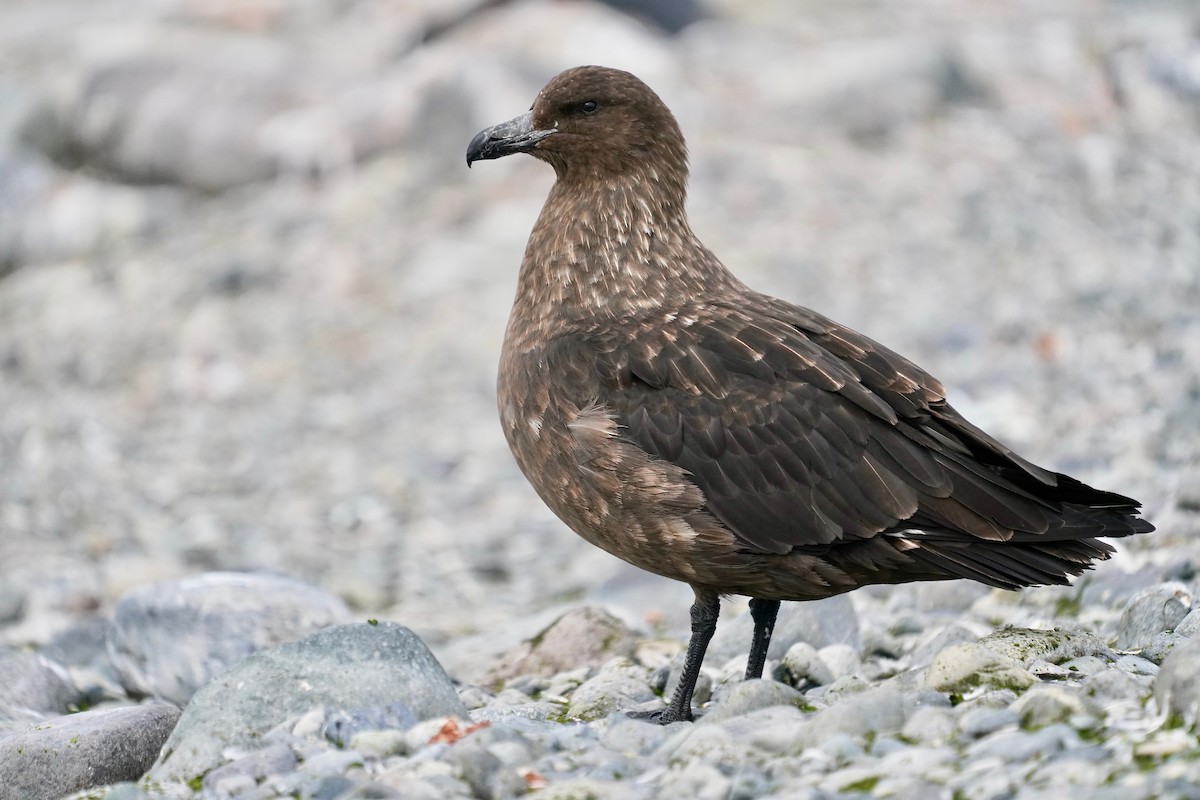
611,250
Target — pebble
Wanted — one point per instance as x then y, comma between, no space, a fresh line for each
1023,746
929,725
342,726
978,722
803,666
1047,704
250,770
619,684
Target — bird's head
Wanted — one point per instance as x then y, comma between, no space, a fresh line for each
589,122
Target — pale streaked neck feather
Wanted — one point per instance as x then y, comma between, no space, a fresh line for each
612,248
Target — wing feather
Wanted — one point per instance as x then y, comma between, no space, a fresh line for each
803,434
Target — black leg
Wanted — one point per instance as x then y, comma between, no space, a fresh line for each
763,612
705,611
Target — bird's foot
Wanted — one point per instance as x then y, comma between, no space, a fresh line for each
662,716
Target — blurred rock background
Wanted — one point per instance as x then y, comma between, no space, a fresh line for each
251,300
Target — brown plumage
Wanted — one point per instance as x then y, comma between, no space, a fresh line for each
714,435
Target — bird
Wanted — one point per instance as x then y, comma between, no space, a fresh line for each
718,436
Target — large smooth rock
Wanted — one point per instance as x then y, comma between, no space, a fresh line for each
962,667
1027,645
350,666
169,639
77,752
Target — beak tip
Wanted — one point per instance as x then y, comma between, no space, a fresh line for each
475,150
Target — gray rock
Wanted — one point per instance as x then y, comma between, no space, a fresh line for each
818,622
1190,625
349,666
619,685
118,791
951,596
803,666
1046,704
666,679
343,725
83,650
169,639
643,599
981,721
77,752
1151,612
1085,665
1026,645
12,598
936,640
746,696
876,710
53,214
584,637
1160,644
1135,665
963,667
487,775
842,660
711,744
380,743
1110,685
1045,671
771,729
1177,687
1110,588
929,725
1022,745
250,770
33,688
80,645
701,780
590,788
634,737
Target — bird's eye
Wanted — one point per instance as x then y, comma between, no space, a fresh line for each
589,107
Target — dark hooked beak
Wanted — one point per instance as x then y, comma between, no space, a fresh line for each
515,136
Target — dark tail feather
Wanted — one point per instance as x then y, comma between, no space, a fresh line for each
1006,565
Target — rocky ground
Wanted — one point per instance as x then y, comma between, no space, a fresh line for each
251,303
